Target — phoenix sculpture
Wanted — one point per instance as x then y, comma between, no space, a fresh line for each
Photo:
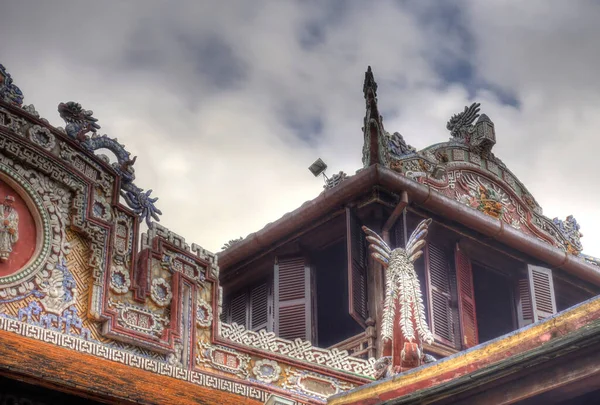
403,293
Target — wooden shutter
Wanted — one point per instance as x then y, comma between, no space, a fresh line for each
356,244
466,299
439,293
293,300
225,310
536,298
524,305
238,309
260,306
542,292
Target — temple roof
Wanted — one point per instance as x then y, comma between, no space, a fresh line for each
463,169
490,371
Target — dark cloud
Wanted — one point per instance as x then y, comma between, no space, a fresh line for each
227,103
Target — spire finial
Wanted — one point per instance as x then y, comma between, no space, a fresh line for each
369,86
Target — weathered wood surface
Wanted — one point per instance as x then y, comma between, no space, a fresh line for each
469,366
82,374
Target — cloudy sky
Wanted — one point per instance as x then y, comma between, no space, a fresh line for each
227,103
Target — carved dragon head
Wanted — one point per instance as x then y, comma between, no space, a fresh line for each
462,121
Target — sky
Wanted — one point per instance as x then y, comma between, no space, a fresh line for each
227,103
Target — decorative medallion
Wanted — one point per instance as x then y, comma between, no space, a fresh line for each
161,292
266,371
24,229
204,314
139,319
119,280
314,385
42,137
224,359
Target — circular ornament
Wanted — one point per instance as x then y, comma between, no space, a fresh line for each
119,280
161,292
42,137
204,314
26,236
266,371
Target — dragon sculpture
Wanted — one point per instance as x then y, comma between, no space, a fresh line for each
403,294
569,229
461,124
9,92
80,122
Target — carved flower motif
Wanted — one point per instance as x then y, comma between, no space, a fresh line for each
267,371
42,136
204,314
161,292
119,280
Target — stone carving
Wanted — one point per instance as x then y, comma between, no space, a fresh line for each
79,123
569,228
60,289
335,180
161,292
298,349
42,137
483,196
119,280
461,125
9,228
9,92
204,314
139,319
403,294
67,322
314,385
224,359
266,371
398,146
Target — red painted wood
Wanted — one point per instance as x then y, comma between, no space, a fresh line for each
25,246
466,299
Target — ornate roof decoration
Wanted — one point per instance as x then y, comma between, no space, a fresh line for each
403,296
232,242
9,92
461,125
569,228
466,170
335,180
80,122
398,146
375,137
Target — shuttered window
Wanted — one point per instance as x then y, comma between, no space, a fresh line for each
466,299
293,298
357,269
251,307
438,278
537,299
524,304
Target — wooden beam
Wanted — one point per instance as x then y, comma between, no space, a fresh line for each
539,380
385,234
89,376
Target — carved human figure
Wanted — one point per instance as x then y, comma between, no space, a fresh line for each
9,227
